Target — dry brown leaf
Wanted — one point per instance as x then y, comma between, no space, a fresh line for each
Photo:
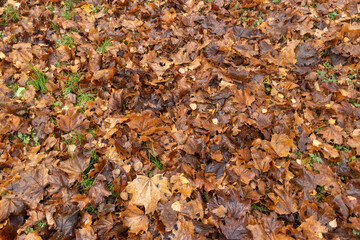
135,220
148,192
282,144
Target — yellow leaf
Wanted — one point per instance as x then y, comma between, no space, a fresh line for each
87,7
181,185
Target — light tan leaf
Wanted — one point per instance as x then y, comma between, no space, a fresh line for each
30,236
287,55
181,185
148,192
132,24
282,144
313,228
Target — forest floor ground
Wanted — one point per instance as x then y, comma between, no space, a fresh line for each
179,119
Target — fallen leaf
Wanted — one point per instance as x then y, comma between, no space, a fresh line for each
148,192
72,120
135,220
282,144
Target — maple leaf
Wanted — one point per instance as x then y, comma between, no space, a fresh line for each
307,180
313,228
235,229
21,56
31,186
135,219
148,192
287,55
285,202
224,91
116,100
167,215
86,233
322,214
34,217
66,223
333,132
9,205
107,228
105,74
267,227
8,122
184,229
261,159
98,191
235,219
143,122
75,166
113,156
282,144
81,199
72,120
57,180
181,185
132,24
246,174
104,224
327,178
30,236
192,209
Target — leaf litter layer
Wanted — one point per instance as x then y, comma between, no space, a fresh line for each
190,119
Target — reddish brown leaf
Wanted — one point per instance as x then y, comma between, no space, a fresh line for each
72,120
135,220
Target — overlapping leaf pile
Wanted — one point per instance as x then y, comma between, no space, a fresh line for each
179,119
